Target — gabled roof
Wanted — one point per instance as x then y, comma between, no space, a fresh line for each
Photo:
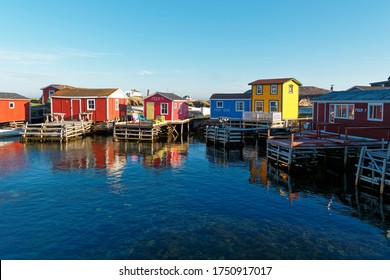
356,95
231,96
58,86
365,88
11,95
84,92
170,96
274,81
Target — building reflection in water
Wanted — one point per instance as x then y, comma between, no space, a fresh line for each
332,187
12,157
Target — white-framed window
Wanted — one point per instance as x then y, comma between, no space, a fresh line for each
274,89
273,106
259,89
51,91
344,111
116,104
259,106
239,105
181,108
219,104
331,113
290,89
164,109
375,112
11,105
91,104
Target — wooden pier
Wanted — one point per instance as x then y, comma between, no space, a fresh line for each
373,167
305,149
149,130
55,131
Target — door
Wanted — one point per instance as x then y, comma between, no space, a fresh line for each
75,109
150,110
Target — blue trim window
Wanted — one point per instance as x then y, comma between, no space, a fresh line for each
375,112
219,104
273,106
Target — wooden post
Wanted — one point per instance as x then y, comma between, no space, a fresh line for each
359,167
383,177
345,156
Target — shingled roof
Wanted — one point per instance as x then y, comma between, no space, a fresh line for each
231,96
273,81
82,92
11,95
382,95
169,95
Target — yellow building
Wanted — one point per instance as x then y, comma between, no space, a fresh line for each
276,95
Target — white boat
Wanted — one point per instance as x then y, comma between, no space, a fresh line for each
10,132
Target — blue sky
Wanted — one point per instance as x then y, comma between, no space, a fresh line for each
191,47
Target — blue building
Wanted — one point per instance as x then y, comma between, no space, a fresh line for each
229,105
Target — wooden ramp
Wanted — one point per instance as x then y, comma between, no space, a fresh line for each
374,167
61,132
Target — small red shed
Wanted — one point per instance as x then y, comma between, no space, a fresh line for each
14,107
102,104
367,109
169,105
49,90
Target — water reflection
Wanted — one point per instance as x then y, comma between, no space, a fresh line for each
12,156
335,187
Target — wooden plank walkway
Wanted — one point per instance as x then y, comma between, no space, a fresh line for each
62,131
306,148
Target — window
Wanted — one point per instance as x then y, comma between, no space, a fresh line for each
259,106
331,113
375,112
164,109
116,104
51,91
259,89
274,89
181,108
290,89
239,106
91,104
344,111
219,104
273,106
12,105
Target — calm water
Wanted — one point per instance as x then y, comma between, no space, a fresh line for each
95,199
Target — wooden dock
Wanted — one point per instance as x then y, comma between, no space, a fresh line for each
304,149
374,167
149,130
53,131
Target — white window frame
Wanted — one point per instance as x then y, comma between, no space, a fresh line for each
11,105
116,104
89,107
259,89
238,107
290,88
262,105
219,104
164,107
370,105
270,106
348,111
274,89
